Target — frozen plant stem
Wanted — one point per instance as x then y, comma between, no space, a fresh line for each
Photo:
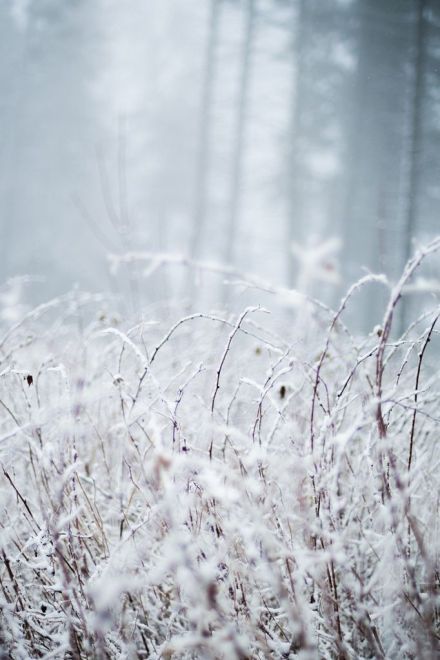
396,294
236,328
416,394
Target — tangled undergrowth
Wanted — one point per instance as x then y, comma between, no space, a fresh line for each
214,486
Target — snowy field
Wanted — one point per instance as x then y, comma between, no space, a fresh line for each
259,484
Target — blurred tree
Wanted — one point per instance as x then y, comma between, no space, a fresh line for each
295,156
233,214
415,134
322,61
204,137
376,120
48,119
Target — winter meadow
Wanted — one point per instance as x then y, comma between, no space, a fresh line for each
219,329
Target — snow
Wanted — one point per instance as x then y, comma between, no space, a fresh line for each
209,486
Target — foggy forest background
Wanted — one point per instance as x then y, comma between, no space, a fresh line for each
219,329
219,130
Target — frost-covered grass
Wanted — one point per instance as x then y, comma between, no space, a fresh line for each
249,485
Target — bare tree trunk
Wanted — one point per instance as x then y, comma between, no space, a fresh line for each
240,137
293,163
356,137
204,138
415,137
374,138
11,155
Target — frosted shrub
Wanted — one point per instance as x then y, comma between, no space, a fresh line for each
219,486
